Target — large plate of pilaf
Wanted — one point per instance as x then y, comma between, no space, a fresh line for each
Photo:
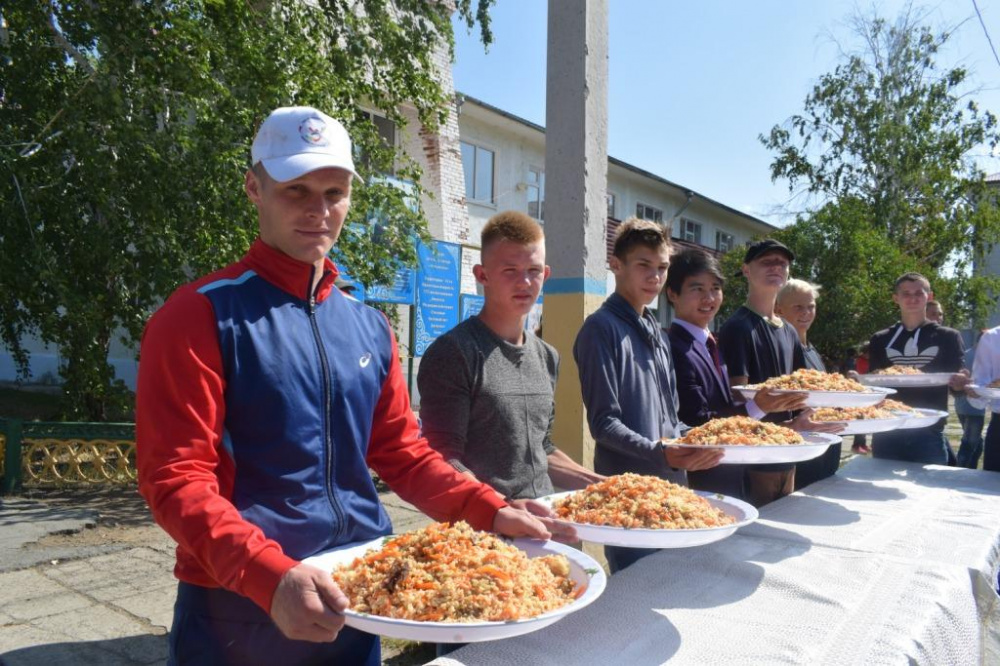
863,420
822,389
746,441
991,392
921,418
902,376
439,583
638,511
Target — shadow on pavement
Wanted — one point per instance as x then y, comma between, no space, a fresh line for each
114,505
131,650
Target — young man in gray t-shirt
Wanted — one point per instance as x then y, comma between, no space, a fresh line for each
487,386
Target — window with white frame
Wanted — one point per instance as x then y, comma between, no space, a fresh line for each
611,204
536,193
724,242
477,162
644,212
690,231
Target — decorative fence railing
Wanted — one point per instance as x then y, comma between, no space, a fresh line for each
47,454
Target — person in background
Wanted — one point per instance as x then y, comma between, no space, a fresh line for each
345,286
487,386
627,376
862,363
860,445
264,397
796,304
986,372
935,312
972,419
916,342
695,290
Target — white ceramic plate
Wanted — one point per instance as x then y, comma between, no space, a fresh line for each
741,454
986,392
583,570
902,381
645,538
925,417
871,426
831,398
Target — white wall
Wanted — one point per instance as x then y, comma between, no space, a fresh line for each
518,146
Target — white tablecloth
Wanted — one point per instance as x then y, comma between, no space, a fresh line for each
885,563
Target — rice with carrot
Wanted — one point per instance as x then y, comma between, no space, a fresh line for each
899,370
807,379
852,413
741,431
452,573
636,501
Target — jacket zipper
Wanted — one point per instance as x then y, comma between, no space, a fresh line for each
327,395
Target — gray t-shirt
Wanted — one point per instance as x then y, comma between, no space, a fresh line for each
487,405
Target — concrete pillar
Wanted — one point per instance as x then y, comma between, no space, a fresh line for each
576,169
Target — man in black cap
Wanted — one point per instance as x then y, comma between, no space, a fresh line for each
345,286
757,345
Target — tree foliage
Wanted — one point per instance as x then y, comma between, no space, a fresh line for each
885,145
124,135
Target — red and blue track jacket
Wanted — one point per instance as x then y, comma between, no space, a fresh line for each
260,408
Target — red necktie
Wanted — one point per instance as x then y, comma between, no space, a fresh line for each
713,350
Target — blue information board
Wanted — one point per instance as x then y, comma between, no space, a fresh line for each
400,291
438,287
471,305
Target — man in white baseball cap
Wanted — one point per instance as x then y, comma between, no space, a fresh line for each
265,395
295,140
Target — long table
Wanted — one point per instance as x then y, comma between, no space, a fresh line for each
884,563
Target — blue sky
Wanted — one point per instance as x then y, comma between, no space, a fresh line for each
692,84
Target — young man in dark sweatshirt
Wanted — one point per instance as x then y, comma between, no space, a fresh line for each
487,386
757,345
627,376
917,342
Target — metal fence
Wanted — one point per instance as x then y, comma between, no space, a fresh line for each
44,454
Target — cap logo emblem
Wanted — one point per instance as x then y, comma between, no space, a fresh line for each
313,131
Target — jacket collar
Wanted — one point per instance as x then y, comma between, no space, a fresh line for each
289,274
646,324
617,304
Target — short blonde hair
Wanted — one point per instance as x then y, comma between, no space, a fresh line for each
513,226
795,286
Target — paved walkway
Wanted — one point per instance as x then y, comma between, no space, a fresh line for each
86,578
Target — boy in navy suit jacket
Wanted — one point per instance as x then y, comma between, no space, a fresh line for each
694,288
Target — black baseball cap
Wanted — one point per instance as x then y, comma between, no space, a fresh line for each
762,247
344,285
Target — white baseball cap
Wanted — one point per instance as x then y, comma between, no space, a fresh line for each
295,140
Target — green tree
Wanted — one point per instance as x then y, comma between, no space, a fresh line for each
885,146
124,136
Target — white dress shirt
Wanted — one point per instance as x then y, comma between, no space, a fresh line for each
986,367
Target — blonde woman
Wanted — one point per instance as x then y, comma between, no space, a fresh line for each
796,304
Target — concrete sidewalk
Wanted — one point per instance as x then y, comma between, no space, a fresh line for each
86,578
